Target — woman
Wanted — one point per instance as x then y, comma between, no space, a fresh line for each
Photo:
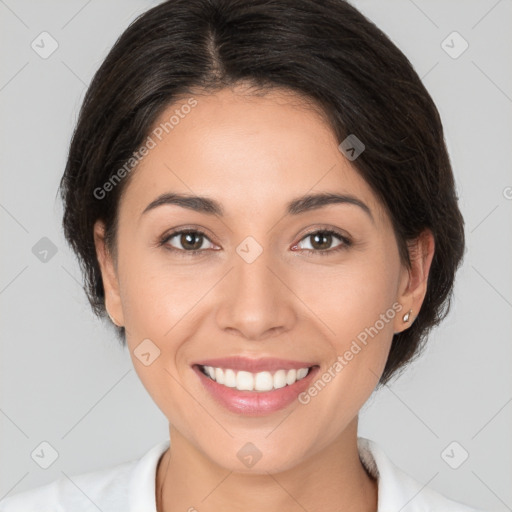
261,200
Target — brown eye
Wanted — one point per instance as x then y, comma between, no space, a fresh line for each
186,242
321,241
191,241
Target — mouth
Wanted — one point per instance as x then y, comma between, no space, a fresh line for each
258,382
255,387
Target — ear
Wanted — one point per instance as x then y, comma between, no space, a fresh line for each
108,274
413,285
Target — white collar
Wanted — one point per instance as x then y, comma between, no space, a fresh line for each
396,489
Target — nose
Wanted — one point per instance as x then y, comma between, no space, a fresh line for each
256,302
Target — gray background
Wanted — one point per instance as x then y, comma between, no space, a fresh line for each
64,379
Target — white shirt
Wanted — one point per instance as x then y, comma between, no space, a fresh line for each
130,487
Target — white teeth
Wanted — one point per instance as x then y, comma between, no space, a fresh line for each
291,376
244,381
229,378
301,373
280,379
261,381
219,375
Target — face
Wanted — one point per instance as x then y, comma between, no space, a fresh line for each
317,285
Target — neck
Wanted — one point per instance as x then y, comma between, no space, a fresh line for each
333,479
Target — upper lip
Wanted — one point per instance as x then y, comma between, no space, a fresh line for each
254,365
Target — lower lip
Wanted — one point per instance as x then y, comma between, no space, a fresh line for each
255,403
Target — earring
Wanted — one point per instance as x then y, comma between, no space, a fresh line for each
407,316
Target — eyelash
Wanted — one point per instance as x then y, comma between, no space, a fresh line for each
345,245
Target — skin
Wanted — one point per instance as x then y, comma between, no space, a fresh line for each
253,154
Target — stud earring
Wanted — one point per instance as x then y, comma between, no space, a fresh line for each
407,316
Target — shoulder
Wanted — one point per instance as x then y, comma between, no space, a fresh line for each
93,490
110,489
399,491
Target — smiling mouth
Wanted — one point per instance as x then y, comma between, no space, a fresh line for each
258,381
255,387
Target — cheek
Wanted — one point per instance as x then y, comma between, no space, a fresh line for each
157,307
352,297
151,308
156,294
356,307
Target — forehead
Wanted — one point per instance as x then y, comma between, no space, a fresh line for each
251,153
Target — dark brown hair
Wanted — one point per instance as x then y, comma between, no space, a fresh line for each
324,50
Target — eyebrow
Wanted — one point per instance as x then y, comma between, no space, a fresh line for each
297,206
